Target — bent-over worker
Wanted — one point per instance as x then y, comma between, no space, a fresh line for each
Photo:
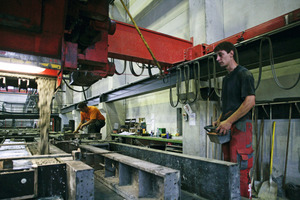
238,98
90,117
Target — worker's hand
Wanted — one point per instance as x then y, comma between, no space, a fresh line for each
82,126
216,123
75,131
224,127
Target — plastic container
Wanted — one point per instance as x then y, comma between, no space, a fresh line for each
215,137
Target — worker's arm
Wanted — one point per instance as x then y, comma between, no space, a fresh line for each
78,127
87,123
244,108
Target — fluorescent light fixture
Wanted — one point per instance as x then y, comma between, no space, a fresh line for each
23,68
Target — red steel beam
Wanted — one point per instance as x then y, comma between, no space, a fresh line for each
33,27
271,25
126,44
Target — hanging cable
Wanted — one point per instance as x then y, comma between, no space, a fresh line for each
124,69
259,64
149,70
179,86
196,81
271,56
171,94
132,70
195,86
198,75
74,89
208,77
84,94
215,78
186,80
274,72
236,56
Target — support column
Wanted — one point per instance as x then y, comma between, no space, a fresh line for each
214,21
206,21
80,180
197,21
115,113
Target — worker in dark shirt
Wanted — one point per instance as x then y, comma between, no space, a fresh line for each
238,98
90,117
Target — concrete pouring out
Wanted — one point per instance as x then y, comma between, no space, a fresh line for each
46,88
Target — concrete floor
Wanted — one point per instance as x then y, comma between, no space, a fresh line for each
104,193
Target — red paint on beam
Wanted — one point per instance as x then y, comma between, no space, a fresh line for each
33,27
126,44
271,25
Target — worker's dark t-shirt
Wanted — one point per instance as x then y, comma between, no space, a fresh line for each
237,85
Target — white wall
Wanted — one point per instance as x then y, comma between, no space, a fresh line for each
243,14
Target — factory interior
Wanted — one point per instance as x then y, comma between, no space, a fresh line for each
150,68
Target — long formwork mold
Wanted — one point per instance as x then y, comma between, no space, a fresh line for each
80,177
207,178
133,178
54,176
80,181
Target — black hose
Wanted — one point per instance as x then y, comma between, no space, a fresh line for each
186,80
120,73
215,78
74,89
274,72
179,87
259,64
271,56
171,94
196,82
132,70
236,56
84,94
208,76
149,70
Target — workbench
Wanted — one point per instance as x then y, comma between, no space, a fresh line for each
174,145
